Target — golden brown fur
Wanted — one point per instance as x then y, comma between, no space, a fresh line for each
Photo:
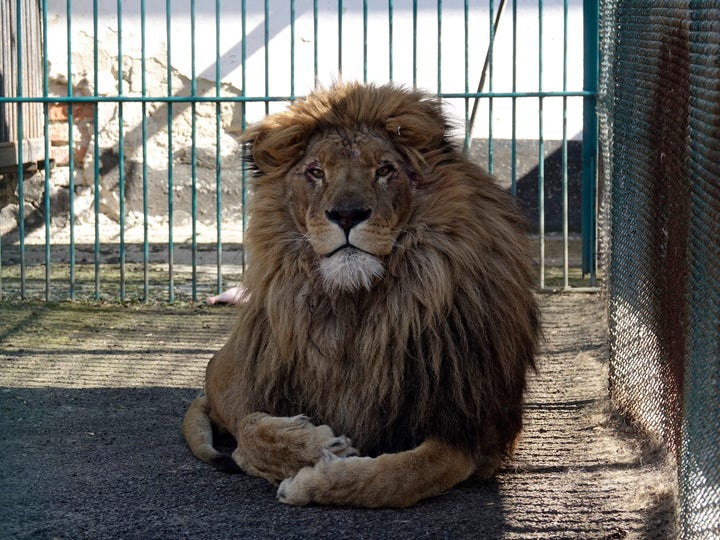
414,342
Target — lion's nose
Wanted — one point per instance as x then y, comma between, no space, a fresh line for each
347,218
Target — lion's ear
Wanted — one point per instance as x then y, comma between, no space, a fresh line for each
275,145
421,125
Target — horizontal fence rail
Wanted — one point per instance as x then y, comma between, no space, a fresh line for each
136,187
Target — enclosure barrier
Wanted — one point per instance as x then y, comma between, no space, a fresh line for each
660,95
140,187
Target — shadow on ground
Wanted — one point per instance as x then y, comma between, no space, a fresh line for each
111,463
91,400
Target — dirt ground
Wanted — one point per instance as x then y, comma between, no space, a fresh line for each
91,400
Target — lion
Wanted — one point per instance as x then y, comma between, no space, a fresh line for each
389,319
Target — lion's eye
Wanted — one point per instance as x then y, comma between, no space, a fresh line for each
315,173
384,170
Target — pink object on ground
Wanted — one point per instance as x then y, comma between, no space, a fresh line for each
233,295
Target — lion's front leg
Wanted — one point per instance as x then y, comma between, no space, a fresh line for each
275,447
389,480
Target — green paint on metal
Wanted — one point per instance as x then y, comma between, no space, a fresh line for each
292,50
414,48
145,189
243,120
541,154
565,220
390,39
365,40
272,99
96,150
121,153
20,170
490,55
316,78
439,46
466,39
171,254
46,134
71,153
266,50
340,39
218,160
513,143
590,136
193,153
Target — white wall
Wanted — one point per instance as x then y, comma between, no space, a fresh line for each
452,50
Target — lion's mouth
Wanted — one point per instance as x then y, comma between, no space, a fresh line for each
350,249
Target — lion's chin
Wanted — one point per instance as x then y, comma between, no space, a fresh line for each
349,270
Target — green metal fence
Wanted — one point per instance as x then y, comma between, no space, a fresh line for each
522,86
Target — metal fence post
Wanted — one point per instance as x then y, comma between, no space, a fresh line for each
590,137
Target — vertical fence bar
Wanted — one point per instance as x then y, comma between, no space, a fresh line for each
193,152
1,236
121,153
591,63
466,37
71,153
96,153
340,38
513,136
315,43
439,46
414,47
365,40
20,158
218,160
292,50
243,121
541,152
266,50
390,39
145,194
171,279
491,32
565,217
46,135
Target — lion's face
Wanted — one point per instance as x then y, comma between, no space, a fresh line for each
351,193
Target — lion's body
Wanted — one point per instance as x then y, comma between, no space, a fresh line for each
394,305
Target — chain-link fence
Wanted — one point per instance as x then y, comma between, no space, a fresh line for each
660,87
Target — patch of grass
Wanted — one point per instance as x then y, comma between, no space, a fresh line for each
110,283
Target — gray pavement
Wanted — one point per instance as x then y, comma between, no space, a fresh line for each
91,400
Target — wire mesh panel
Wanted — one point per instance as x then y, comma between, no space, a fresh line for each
662,154
700,472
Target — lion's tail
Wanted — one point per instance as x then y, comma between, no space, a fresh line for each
197,430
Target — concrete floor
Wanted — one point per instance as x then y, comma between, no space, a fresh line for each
91,400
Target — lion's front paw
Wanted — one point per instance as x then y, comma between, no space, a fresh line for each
297,490
341,447
332,480
278,447
319,440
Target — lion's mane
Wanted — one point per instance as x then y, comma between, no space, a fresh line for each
441,345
